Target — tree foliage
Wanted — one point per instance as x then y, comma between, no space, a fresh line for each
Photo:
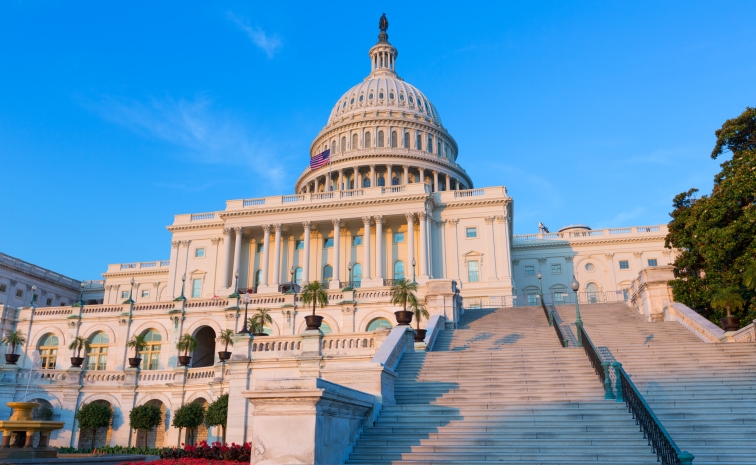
189,416
145,417
217,414
402,292
14,339
93,416
314,293
716,233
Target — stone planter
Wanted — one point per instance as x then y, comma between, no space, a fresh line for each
184,360
420,335
77,361
224,355
135,362
730,324
11,359
403,317
313,321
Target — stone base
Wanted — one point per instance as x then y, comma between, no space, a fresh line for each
27,453
74,459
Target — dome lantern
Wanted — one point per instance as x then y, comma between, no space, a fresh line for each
383,54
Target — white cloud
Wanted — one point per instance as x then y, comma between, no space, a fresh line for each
267,43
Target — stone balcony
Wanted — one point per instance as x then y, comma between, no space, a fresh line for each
590,235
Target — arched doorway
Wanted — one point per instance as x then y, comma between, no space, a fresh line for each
102,436
204,355
155,436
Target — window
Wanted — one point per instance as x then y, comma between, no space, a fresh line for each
394,181
471,232
151,352
124,294
380,95
556,268
529,270
399,270
430,144
357,240
366,182
419,142
652,262
398,237
260,248
298,275
49,301
258,278
367,140
362,97
19,293
357,274
393,139
48,351
625,294
411,100
591,290
325,328
343,144
196,287
532,298
401,97
354,141
438,148
391,95
298,245
378,323
145,292
328,243
381,181
380,138
327,274
370,97
472,271
559,298
3,288
199,252
624,265
97,356
590,267
406,140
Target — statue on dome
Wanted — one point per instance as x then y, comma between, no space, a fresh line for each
383,23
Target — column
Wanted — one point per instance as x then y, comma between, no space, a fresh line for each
410,244
316,186
226,258
277,255
389,174
453,256
378,246
335,284
237,250
372,176
448,182
422,175
306,262
435,181
406,174
357,178
366,274
505,256
266,254
422,217
341,180
491,246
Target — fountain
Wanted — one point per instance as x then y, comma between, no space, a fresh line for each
23,426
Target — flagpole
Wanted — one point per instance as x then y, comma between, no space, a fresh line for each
329,170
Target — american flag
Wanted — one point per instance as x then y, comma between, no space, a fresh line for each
320,159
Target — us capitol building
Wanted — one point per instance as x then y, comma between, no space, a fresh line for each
394,203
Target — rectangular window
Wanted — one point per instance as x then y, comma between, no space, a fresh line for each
49,301
472,271
532,299
624,265
196,288
399,237
556,268
471,232
529,270
3,288
145,293
328,243
260,248
652,262
299,245
559,298
19,293
199,252
357,240
124,294
625,294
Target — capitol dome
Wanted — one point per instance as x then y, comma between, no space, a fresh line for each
383,132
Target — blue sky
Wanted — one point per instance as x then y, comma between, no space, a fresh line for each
114,116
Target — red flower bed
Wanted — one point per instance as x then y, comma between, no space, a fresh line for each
185,461
214,451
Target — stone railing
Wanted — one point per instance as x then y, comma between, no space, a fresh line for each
745,334
399,341
590,234
155,306
342,344
104,377
54,311
45,376
119,267
435,324
703,328
200,375
104,309
151,377
38,271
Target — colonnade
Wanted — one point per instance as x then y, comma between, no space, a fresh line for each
357,177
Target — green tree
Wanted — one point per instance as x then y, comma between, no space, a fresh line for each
727,299
137,343
716,233
93,416
419,310
402,292
226,337
79,343
314,293
144,418
186,344
260,319
189,416
14,339
217,414
749,276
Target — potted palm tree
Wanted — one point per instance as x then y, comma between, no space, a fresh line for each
187,343
13,339
77,344
226,337
138,344
403,292
260,319
728,298
314,293
420,312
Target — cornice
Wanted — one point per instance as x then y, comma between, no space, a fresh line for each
472,203
198,226
563,243
115,274
40,278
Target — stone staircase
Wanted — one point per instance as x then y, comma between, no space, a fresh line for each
703,393
500,388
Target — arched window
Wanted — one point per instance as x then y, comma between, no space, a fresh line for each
298,275
399,269
430,144
381,181
380,138
366,182
357,274
327,274
333,145
393,138
378,323
97,356
438,148
151,352
419,141
367,140
354,141
406,140
258,278
592,293
343,144
48,351
395,181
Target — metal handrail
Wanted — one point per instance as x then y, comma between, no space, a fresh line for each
601,367
555,318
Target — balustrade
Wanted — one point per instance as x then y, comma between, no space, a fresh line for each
589,233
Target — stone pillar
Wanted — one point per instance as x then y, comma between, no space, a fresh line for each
406,174
335,284
453,254
435,181
306,262
448,182
422,217
357,178
366,274
372,176
316,186
277,255
238,381
266,254
341,180
389,174
422,175
378,246
491,249
226,259
410,244
237,249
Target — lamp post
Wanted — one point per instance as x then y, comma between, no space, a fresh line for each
130,300
246,299
575,285
413,269
235,295
293,289
81,294
31,301
349,267
181,297
540,284
292,270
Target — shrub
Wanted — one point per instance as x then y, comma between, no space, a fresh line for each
145,417
93,416
189,416
217,414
